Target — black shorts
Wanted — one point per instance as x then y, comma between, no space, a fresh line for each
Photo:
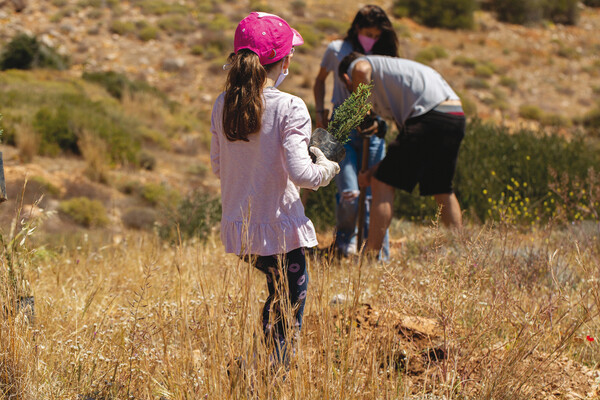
425,152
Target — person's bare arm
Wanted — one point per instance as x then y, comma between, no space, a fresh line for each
319,93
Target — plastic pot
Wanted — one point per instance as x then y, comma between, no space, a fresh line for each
325,141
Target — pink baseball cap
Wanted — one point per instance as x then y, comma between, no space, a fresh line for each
267,35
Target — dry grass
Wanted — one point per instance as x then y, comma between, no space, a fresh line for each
493,314
27,141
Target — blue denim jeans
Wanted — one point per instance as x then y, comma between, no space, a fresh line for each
347,182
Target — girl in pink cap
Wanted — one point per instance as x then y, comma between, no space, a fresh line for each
259,150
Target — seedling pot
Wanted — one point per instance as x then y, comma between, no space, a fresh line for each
324,141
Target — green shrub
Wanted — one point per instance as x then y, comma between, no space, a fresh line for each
495,165
60,123
139,217
117,84
431,53
464,61
562,11
476,83
320,207
26,52
332,26
56,131
311,37
148,32
591,121
449,14
89,213
592,3
531,112
160,7
508,82
121,27
555,121
177,24
526,12
483,71
157,194
195,217
298,7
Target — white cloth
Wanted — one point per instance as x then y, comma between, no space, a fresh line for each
262,212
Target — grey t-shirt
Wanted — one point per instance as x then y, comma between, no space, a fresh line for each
335,53
405,89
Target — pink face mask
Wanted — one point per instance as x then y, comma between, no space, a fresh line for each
366,42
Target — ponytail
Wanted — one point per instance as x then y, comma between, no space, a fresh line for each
243,105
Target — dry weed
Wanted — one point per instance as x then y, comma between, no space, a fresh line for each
488,314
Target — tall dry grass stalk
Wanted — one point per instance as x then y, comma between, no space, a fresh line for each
491,314
28,142
95,153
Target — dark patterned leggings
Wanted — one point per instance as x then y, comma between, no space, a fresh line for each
293,264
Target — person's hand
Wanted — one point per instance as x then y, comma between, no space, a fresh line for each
369,125
321,118
327,167
364,179
368,128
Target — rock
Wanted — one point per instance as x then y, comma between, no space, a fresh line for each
173,64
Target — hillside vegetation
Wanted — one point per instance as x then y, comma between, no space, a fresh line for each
115,285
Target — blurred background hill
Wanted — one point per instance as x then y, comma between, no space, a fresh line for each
111,100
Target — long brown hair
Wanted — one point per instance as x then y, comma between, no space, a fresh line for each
243,106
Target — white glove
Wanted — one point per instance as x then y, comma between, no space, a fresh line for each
328,168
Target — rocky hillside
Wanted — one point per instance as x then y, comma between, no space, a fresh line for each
511,74
553,67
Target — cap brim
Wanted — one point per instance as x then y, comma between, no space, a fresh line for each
297,39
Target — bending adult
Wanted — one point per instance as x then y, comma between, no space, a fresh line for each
431,123
371,32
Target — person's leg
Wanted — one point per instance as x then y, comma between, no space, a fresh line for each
274,321
381,214
451,214
347,199
376,154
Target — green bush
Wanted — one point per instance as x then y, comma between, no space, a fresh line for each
177,24
26,52
56,130
195,217
526,12
157,194
476,83
591,121
121,27
160,7
320,207
431,53
330,25
464,61
483,71
531,112
89,213
511,176
495,165
508,82
448,14
59,124
117,84
592,3
311,37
